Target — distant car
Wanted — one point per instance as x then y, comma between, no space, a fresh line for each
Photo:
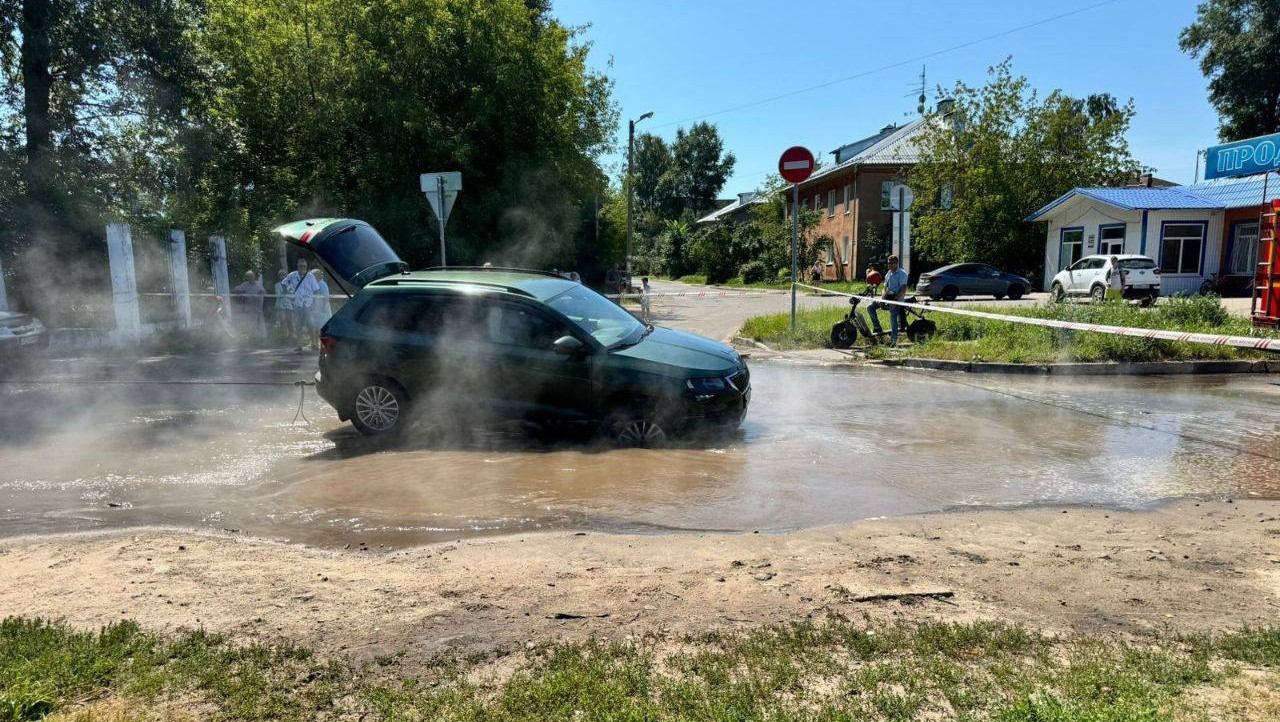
1089,277
971,279
507,344
21,335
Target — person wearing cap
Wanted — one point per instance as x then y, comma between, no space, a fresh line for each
895,289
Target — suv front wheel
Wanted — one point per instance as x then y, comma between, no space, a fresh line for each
378,406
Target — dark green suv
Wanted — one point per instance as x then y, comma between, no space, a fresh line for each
504,344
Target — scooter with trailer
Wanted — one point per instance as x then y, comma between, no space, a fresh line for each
846,331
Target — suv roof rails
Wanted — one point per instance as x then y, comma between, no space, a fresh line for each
394,281
496,268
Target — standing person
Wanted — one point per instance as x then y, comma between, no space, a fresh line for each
895,289
816,272
302,291
249,297
321,310
1115,281
646,299
284,303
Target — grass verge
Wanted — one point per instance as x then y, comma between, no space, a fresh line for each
970,339
835,669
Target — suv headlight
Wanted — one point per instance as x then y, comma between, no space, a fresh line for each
708,385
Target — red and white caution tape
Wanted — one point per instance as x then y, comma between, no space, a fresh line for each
1250,342
698,294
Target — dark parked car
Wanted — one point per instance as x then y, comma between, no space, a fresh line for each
970,279
505,344
21,336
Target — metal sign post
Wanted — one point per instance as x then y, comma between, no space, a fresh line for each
795,166
441,190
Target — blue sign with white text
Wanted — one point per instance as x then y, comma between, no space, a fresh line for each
1243,157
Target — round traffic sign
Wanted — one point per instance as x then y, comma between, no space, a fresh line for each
796,164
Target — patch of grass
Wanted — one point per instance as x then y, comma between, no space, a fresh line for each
693,279
833,669
964,338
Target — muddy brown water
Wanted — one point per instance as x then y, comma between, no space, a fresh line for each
821,445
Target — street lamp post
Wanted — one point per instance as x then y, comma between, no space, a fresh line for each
631,194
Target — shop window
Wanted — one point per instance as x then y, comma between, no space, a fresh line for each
846,200
1110,240
1072,247
1181,245
1244,249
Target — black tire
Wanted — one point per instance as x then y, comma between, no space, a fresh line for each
1015,292
950,293
1057,293
379,406
921,329
998,296
1148,301
843,335
1098,293
639,424
1205,288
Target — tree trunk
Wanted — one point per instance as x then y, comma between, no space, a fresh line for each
37,83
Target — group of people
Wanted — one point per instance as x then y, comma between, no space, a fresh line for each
301,305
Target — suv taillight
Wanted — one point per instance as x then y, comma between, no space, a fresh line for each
327,343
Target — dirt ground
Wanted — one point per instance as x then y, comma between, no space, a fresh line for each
1187,566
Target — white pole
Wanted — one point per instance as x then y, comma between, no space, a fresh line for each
124,284
181,281
218,265
4,298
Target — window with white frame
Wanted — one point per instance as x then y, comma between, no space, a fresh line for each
817,201
1181,245
1244,249
831,202
1072,247
845,256
846,199
1111,240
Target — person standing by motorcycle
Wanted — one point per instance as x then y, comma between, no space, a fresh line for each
895,289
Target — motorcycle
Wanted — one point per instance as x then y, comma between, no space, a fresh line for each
845,332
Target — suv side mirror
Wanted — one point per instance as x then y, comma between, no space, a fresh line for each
568,346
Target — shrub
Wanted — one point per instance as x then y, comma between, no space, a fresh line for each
753,272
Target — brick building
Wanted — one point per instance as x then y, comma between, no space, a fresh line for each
852,194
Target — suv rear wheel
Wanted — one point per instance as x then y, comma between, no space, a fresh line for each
378,406
1057,293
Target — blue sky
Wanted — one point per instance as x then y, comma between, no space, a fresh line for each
688,59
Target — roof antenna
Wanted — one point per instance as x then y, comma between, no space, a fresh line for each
920,104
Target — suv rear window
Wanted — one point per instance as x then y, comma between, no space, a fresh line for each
354,249
1137,263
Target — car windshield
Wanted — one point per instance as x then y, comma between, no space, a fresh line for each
606,321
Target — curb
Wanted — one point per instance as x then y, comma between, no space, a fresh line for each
1144,368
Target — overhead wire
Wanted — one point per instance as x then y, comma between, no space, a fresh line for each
891,66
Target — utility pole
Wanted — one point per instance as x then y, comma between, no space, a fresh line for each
631,194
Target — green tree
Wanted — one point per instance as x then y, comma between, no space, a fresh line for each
697,172
1238,45
92,87
1003,153
335,106
723,250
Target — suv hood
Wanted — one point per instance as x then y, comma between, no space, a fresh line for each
352,252
684,354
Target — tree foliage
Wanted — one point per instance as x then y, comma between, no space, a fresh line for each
1003,153
1238,45
760,246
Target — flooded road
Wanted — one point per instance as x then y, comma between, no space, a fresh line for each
821,445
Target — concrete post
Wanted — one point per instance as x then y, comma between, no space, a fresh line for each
4,298
221,281
124,284
181,282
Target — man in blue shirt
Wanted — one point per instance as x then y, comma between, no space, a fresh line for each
895,289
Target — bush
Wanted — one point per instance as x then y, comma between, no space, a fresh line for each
753,272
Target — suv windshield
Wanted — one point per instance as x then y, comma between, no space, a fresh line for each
606,321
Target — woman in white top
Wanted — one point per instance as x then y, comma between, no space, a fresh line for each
320,309
1115,281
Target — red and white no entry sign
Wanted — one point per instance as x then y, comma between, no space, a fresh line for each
796,164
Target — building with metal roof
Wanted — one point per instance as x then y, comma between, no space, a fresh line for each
1193,232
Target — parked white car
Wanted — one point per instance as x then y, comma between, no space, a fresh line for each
1089,277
